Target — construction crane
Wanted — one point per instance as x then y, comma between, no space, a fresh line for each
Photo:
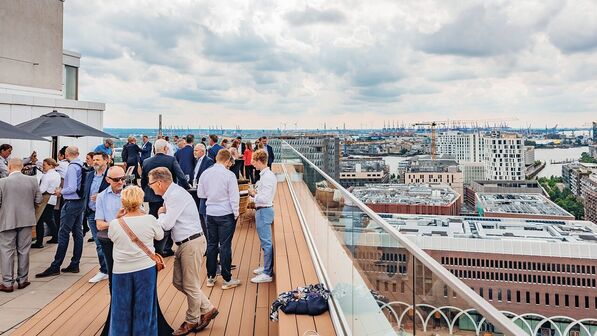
431,124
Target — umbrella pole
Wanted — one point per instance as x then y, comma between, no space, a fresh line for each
55,148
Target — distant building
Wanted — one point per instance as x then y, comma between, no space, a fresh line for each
502,153
519,205
361,171
421,199
524,266
529,155
500,187
574,173
595,131
589,187
323,150
473,171
422,169
37,76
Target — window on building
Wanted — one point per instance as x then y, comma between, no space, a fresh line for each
499,296
490,294
528,297
586,302
517,296
481,292
537,298
557,299
547,299
566,300
71,82
576,301
508,295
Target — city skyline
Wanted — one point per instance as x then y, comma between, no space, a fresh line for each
265,65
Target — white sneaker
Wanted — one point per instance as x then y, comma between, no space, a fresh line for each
211,282
261,278
258,270
98,277
231,284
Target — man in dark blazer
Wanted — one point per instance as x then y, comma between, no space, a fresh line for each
146,149
270,152
95,183
161,159
215,148
203,162
184,156
242,145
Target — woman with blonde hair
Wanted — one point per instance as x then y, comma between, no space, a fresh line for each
236,157
134,302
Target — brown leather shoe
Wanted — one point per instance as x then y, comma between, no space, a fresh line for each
24,284
185,329
206,319
6,289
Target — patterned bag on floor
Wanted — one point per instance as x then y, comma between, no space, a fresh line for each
311,300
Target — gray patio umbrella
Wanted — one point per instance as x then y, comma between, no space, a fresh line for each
8,131
57,124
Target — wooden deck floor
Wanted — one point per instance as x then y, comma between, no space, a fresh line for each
82,308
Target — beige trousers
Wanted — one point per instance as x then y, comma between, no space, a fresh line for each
187,266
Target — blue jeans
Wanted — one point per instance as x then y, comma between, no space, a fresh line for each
98,246
220,230
263,220
133,310
71,220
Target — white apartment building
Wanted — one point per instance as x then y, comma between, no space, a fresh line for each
501,153
37,76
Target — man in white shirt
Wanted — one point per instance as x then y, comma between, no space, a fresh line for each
179,214
219,187
264,214
5,151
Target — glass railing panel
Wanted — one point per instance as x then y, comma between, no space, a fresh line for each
376,274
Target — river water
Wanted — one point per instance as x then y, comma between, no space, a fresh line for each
543,154
557,154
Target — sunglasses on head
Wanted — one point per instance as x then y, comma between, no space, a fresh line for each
117,179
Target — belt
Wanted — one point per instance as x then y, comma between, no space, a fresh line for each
71,200
262,207
195,236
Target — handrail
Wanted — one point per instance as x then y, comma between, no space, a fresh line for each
471,297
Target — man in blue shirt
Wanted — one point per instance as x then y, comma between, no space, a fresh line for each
106,147
70,217
96,182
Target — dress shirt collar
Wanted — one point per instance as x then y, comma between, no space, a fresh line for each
263,171
169,191
14,172
110,191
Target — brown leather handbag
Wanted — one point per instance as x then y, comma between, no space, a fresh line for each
159,260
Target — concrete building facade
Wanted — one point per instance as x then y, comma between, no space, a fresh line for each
535,206
37,76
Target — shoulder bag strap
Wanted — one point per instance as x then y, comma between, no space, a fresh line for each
134,238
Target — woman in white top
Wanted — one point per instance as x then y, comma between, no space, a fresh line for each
50,181
134,300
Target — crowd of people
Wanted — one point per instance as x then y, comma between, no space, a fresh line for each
192,196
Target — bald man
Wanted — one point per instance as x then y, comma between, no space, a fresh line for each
19,195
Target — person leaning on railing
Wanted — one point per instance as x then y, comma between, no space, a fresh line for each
134,303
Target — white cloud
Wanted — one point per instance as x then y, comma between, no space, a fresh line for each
268,63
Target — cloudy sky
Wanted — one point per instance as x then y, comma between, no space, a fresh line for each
286,64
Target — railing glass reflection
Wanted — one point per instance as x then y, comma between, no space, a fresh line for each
376,274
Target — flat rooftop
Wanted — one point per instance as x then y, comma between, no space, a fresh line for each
507,203
410,194
512,236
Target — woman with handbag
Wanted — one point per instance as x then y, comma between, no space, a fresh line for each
134,304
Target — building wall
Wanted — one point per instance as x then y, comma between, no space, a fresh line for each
504,158
590,198
33,30
508,277
529,155
420,209
473,171
15,109
453,179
